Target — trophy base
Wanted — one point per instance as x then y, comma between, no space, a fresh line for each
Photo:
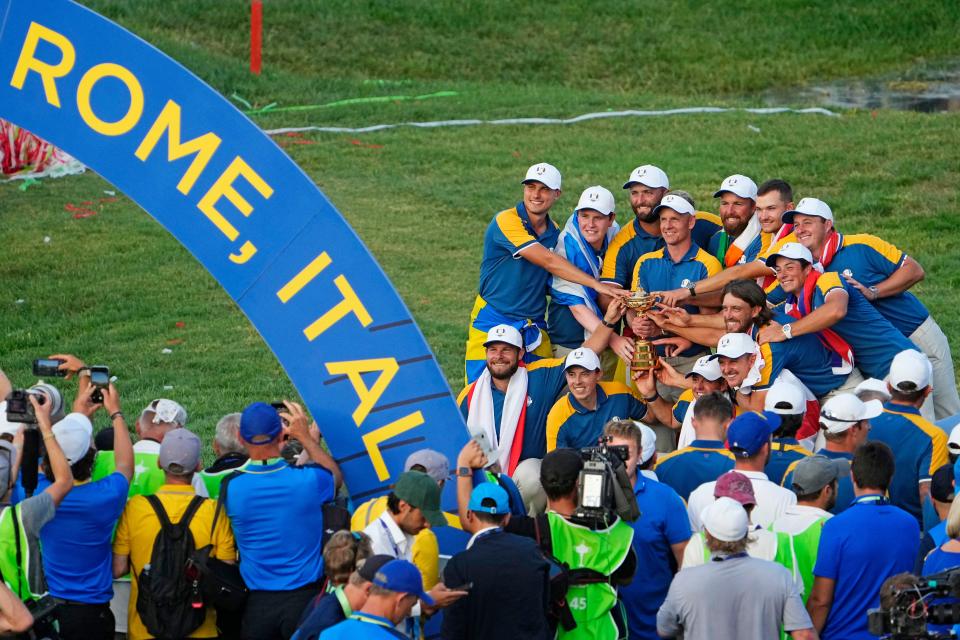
644,356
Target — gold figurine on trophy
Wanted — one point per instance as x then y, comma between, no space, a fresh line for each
644,353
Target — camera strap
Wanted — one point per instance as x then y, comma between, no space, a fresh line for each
19,552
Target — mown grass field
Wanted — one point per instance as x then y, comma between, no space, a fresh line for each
116,289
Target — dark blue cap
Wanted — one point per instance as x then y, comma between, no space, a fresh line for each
749,431
260,423
403,577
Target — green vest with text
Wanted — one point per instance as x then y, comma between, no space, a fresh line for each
147,476
603,550
16,575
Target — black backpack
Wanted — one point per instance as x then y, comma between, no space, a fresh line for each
169,599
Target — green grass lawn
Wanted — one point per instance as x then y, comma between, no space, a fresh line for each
113,287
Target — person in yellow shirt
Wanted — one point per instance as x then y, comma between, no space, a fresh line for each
139,525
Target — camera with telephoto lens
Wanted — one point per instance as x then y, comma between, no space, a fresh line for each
905,609
19,408
603,488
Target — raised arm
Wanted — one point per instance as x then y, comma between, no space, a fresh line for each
122,445
63,476
749,271
298,427
907,274
832,311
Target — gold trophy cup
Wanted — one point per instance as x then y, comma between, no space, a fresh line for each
644,353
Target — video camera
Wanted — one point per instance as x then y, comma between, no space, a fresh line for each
603,488
905,611
19,408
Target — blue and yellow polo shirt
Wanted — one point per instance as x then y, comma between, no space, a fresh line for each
508,283
686,469
633,242
871,336
871,260
571,425
545,381
919,448
656,271
844,484
804,356
683,403
784,454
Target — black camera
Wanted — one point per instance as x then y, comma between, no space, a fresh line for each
603,488
100,379
905,610
48,368
19,408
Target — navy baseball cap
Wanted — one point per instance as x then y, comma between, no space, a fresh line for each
497,502
403,577
749,431
260,423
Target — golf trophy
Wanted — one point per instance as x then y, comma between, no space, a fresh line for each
644,353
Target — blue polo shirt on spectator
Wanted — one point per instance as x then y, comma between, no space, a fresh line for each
686,469
804,356
664,523
77,552
656,271
919,448
513,286
571,425
845,494
362,626
545,381
855,555
262,502
870,261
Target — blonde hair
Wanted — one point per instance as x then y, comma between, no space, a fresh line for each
343,552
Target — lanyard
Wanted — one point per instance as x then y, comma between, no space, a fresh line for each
372,619
742,554
386,532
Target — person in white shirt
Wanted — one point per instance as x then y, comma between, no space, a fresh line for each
748,439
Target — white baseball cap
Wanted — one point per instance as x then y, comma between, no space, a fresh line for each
793,251
873,385
649,439
648,175
843,410
582,357
506,334
910,371
734,345
675,202
725,519
706,366
809,207
597,198
545,173
7,427
738,184
164,410
786,399
953,442
74,434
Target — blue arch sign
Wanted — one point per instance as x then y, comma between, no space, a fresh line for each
245,210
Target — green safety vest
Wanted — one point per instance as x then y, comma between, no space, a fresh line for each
147,476
603,550
784,556
806,543
16,575
212,480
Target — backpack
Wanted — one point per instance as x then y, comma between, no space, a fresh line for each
336,517
169,600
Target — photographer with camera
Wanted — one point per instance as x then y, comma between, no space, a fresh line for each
589,541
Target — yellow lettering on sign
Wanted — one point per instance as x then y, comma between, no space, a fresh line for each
85,88
350,304
48,72
373,439
303,278
204,146
223,187
353,369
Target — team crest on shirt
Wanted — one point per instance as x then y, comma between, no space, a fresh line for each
529,401
848,273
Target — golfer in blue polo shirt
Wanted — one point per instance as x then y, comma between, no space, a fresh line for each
515,271
860,548
395,589
577,419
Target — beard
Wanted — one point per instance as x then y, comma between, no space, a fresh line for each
650,216
506,375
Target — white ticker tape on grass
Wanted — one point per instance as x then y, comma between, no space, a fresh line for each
633,113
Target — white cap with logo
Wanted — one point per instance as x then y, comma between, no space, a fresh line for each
734,345
786,399
706,367
844,410
74,434
597,198
792,251
910,371
648,175
582,357
545,173
809,207
739,185
506,334
725,519
677,203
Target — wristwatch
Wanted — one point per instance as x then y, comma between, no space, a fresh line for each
874,291
787,331
609,325
692,288
464,472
